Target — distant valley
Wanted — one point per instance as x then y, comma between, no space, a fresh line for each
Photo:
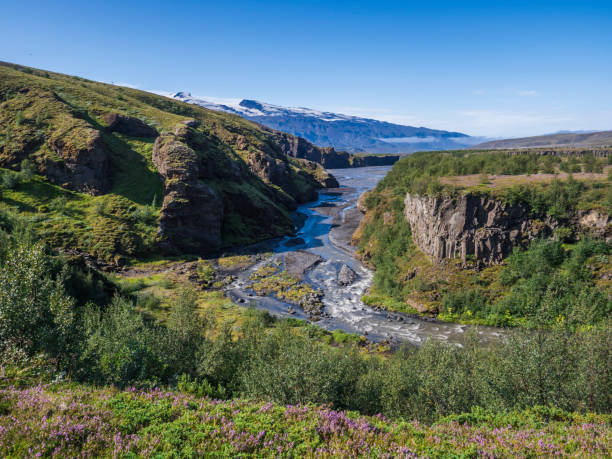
343,132
560,139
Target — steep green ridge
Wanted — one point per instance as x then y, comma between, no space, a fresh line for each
97,185
560,268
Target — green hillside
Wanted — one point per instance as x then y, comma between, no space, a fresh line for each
77,157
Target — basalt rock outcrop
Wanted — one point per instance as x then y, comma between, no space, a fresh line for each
81,161
485,230
468,226
278,172
205,193
346,276
129,125
192,212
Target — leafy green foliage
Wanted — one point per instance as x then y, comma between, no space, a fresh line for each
116,344
557,199
35,311
121,349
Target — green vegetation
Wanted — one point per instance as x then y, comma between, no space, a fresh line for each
274,360
554,278
109,423
287,383
58,155
269,280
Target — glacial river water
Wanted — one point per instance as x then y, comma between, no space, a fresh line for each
327,226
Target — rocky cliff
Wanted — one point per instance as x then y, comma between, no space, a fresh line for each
328,157
482,229
466,226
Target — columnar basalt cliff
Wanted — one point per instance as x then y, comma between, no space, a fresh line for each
483,229
467,226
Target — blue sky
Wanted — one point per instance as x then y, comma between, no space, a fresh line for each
490,68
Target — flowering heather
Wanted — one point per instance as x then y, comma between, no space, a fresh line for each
78,421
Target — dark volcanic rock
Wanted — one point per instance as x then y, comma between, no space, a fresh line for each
278,172
192,213
129,125
374,160
346,276
191,123
328,157
84,164
311,304
299,262
484,229
469,226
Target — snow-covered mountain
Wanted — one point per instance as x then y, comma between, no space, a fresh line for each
343,132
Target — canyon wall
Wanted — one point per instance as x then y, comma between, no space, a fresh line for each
466,226
482,229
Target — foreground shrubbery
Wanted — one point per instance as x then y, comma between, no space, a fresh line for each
115,344
546,283
60,421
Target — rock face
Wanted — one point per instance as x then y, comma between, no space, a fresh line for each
129,125
192,213
328,157
346,276
297,263
467,226
83,164
278,172
485,230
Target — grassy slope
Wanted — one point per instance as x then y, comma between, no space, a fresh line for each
593,139
407,280
61,420
66,107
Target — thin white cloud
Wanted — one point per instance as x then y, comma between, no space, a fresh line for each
526,93
504,123
127,85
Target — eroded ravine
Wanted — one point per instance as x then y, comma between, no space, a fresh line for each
326,232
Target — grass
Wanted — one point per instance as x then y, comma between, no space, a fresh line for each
40,110
269,280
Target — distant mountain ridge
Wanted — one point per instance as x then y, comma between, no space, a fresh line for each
343,132
570,139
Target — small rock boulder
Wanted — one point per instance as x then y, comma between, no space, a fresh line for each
312,304
129,125
346,276
191,123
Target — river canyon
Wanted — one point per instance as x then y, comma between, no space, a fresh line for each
321,248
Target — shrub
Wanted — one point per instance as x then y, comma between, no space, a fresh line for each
10,179
121,349
26,172
36,314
